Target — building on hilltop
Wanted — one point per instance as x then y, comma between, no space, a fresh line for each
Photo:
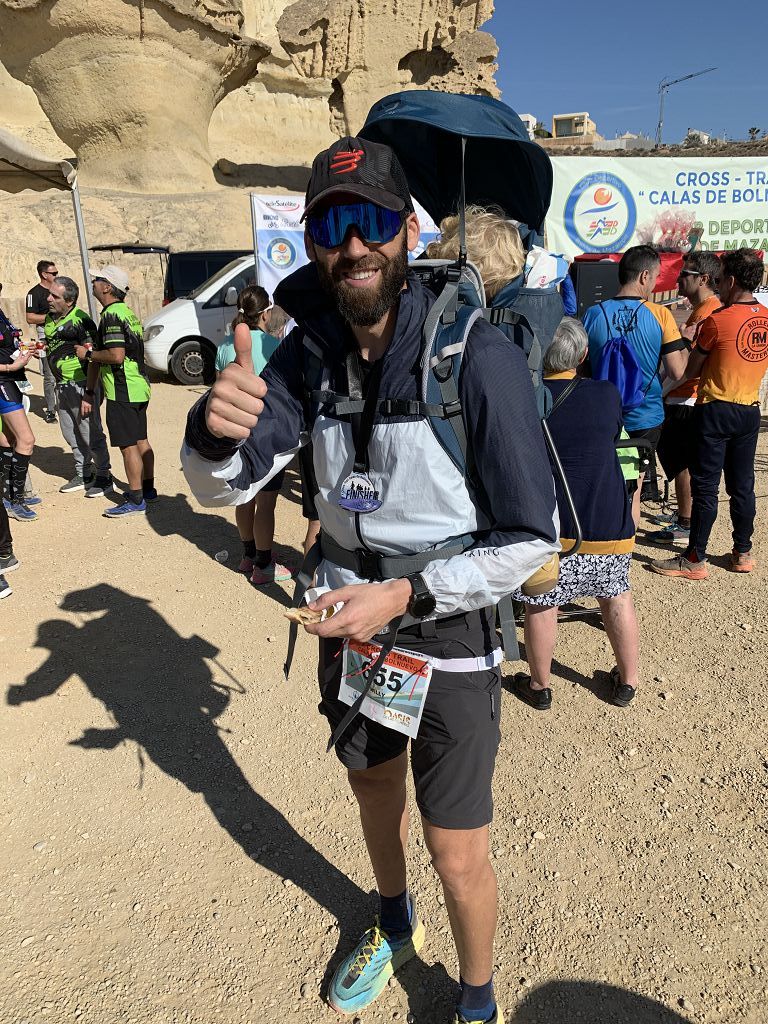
530,123
625,143
577,129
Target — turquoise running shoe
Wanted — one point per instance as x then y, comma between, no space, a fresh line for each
361,977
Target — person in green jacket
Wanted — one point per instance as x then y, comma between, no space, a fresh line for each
118,356
66,327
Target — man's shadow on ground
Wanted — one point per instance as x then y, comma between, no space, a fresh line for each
561,1002
161,695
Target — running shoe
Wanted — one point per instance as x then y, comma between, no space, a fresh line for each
5,588
741,561
361,977
19,511
8,563
497,1018
128,508
77,483
670,534
98,486
32,499
680,566
272,573
246,566
50,417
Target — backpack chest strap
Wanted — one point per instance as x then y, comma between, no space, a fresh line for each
343,405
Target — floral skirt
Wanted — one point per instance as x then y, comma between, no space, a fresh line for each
585,576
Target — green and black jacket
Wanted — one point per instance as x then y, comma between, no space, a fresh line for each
119,327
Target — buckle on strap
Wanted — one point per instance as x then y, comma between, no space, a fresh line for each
369,564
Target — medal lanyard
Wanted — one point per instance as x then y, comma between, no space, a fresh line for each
362,422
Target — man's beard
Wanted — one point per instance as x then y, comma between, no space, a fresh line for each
364,307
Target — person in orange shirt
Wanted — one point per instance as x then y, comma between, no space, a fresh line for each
731,358
696,282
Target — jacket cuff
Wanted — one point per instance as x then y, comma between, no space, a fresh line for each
201,440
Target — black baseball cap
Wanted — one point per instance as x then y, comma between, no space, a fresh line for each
366,169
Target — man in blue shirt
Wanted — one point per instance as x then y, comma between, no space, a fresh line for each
653,334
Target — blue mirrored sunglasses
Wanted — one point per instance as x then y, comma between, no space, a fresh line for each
375,223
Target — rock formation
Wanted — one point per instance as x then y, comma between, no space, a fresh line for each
130,87
151,93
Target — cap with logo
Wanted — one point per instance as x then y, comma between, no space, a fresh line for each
115,275
360,168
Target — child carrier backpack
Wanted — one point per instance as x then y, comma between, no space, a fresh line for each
618,363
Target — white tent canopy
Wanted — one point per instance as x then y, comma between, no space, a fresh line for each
24,167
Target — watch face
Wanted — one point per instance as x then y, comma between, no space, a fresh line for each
423,605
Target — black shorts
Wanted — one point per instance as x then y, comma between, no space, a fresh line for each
454,754
274,484
678,437
651,434
126,423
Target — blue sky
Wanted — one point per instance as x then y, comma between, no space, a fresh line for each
608,58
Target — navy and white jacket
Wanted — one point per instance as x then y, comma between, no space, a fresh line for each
510,511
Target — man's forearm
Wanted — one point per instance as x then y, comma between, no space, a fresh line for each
93,377
108,357
37,319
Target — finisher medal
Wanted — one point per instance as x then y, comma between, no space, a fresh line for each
358,494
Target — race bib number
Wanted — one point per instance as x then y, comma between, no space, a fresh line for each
397,695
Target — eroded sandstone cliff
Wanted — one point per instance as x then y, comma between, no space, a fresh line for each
150,94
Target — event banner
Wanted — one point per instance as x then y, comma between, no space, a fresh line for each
280,236
605,204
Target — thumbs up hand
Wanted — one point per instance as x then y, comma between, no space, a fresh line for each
243,350
235,401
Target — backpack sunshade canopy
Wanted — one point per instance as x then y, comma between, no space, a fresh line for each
502,167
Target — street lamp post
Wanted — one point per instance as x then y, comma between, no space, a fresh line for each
664,86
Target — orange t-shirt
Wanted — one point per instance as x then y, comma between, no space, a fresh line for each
688,390
736,340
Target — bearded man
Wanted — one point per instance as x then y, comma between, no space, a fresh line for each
412,550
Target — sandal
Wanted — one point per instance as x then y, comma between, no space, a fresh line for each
621,694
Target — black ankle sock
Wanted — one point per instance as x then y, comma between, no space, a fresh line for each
249,548
477,1001
395,913
148,484
684,521
135,496
263,558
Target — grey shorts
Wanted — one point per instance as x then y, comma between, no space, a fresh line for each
454,754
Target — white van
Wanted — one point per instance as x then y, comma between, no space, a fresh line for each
183,337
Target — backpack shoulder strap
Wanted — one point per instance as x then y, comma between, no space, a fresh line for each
442,350
511,318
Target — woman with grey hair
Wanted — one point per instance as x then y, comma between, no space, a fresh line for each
585,423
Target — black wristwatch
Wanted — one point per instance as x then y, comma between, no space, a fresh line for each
422,601
90,394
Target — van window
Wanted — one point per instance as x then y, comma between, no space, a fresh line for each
239,281
187,271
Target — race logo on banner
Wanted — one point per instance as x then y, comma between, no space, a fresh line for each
600,213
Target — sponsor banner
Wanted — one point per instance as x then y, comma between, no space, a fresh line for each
606,204
280,236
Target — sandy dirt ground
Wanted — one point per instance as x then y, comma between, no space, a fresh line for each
177,846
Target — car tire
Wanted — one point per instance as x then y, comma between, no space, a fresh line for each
192,362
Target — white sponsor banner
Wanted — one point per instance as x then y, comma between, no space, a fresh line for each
605,204
280,236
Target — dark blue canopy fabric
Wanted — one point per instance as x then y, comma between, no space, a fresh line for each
503,167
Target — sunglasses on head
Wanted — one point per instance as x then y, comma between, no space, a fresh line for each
375,224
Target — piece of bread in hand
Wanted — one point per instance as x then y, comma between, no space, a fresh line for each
306,616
